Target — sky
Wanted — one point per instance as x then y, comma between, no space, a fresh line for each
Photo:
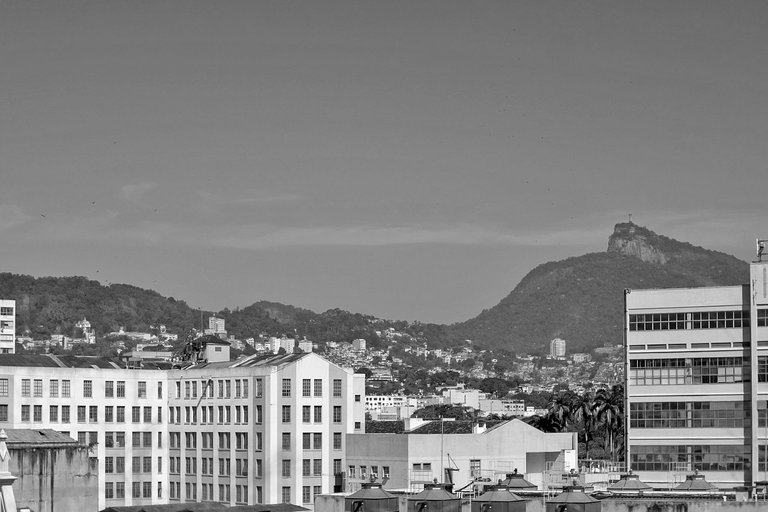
407,159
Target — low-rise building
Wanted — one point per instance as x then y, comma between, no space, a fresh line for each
420,451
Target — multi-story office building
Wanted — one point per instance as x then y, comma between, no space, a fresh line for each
263,429
7,326
697,382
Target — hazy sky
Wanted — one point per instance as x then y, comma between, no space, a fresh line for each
407,159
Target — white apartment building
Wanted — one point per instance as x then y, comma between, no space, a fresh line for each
7,326
697,382
263,429
557,348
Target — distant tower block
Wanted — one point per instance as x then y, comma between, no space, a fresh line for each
557,348
7,326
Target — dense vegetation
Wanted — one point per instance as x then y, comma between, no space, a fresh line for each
581,299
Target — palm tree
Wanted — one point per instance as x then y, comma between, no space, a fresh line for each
561,408
583,412
609,408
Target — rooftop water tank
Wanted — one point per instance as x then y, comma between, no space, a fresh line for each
371,498
434,498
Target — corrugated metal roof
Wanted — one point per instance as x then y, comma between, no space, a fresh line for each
453,427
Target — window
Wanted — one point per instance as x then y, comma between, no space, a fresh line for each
286,387
306,441
245,388
136,464
306,496
316,489
286,494
317,441
25,387
286,414
242,440
336,466
65,414
53,413
93,413
38,413
109,389
81,414
357,398
259,388
337,440
318,414
317,467
121,414
318,387
237,388
4,387
306,387
119,439
286,468
306,413
224,441
119,490
358,425
136,439
119,464
259,439
337,387
147,415
88,389
142,389
146,464
109,413
337,414
306,467
286,440
4,412
259,467
109,490
121,389
136,414
65,388
38,388
474,468
259,415
147,439
137,489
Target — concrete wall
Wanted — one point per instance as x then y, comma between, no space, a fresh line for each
54,479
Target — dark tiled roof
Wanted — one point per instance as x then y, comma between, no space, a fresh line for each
51,361
384,427
452,427
256,360
37,438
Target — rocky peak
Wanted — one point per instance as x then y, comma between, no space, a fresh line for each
638,242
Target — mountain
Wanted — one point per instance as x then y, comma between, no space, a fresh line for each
53,305
580,299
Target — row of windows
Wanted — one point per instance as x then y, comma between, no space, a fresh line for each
85,414
695,320
686,458
138,439
206,492
34,388
364,475
306,387
224,388
688,414
206,440
207,414
138,465
698,370
116,490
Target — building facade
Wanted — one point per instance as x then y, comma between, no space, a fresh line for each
473,451
7,326
233,432
697,382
